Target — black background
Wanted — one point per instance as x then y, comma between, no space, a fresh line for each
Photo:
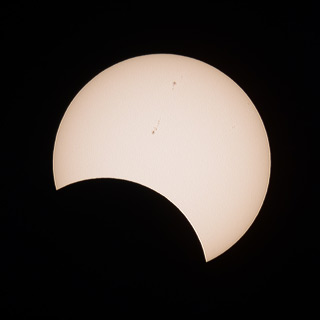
105,245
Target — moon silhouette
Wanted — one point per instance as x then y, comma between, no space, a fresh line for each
179,127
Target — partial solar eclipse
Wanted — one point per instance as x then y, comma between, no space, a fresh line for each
178,126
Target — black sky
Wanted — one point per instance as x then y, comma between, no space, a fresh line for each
110,245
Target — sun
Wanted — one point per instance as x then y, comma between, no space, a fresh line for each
178,126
